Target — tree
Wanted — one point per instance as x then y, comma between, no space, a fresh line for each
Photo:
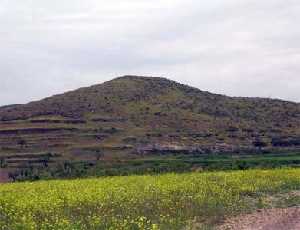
258,143
99,155
2,163
22,143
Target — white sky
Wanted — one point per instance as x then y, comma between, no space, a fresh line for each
233,47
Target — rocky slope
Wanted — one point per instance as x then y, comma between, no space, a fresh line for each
132,116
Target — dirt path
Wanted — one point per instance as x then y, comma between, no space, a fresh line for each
272,219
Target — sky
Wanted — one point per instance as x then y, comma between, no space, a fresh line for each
233,47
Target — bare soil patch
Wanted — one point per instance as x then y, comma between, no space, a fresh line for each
266,219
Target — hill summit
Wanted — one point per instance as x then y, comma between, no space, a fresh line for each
132,116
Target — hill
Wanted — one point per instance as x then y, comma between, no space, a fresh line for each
132,116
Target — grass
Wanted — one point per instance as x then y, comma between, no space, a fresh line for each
158,164
169,201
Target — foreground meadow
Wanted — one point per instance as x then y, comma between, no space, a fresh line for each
170,201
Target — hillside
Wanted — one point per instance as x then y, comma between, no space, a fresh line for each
134,116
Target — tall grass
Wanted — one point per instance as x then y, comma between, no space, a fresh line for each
170,201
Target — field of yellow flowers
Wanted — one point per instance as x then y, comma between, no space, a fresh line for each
171,201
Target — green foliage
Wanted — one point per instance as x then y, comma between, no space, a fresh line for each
159,164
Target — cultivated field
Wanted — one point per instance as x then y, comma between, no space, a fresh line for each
170,201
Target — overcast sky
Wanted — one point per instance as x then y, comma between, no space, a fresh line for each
233,47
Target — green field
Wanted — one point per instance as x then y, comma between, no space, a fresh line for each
158,164
169,201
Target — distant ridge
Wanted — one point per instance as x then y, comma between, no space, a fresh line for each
9,106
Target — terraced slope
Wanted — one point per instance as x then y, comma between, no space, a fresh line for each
132,116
